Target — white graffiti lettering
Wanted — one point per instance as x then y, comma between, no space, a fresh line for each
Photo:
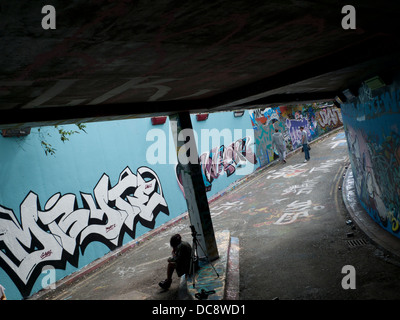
296,210
305,188
287,172
293,211
54,235
325,166
330,117
217,210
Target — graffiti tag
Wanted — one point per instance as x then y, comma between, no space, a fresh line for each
54,235
222,160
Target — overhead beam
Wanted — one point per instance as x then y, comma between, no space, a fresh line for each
64,115
354,55
375,47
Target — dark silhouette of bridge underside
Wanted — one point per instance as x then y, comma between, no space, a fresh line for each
127,59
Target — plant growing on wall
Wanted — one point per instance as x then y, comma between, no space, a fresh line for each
63,134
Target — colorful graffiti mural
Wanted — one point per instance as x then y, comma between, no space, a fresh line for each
316,120
54,235
372,129
221,159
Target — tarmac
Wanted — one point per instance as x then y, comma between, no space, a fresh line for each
144,258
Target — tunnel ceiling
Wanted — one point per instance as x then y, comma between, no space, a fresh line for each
111,59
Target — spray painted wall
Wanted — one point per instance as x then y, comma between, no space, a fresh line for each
95,194
106,187
100,190
226,151
316,120
372,126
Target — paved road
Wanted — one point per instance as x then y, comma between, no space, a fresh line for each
291,222
294,240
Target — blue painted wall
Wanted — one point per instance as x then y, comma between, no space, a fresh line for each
372,126
53,208
79,165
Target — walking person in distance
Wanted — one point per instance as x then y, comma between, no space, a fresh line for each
304,142
279,143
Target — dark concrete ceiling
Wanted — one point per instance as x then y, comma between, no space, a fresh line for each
115,59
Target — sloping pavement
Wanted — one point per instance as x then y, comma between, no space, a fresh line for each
294,231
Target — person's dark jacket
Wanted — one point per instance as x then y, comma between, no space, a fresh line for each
182,256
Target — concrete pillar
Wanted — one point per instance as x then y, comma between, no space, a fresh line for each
193,184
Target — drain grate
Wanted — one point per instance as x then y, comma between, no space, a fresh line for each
356,242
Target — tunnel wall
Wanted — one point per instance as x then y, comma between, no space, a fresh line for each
372,127
317,120
64,211
104,188
99,191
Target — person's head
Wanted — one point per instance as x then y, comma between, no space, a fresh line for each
301,128
175,240
276,130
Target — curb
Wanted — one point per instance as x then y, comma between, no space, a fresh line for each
226,285
374,232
